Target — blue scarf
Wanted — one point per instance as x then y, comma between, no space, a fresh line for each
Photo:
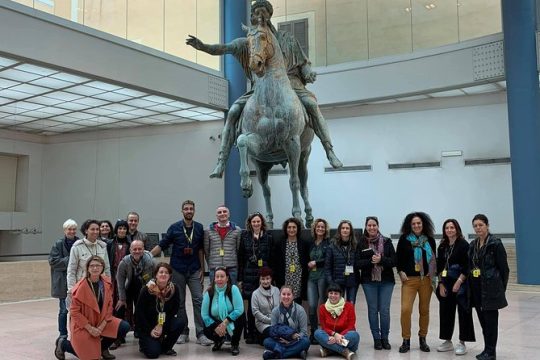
222,307
419,243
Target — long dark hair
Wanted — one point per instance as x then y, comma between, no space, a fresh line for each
445,241
228,291
250,217
427,224
352,237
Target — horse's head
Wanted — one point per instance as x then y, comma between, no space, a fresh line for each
261,46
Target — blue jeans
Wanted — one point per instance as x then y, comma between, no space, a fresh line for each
353,337
193,281
62,317
378,296
349,293
316,295
290,351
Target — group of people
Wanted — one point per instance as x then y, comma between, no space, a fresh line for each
110,284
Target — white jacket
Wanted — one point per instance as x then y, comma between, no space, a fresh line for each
81,251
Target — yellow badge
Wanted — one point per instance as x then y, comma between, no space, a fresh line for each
161,318
443,274
292,268
222,252
260,263
476,272
416,267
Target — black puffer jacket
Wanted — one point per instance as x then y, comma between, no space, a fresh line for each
337,257
249,254
494,271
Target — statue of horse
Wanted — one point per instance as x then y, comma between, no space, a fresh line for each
274,124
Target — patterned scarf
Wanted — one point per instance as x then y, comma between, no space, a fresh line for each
163,295
376,243
419,243
335,309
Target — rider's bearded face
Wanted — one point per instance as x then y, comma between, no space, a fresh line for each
259,13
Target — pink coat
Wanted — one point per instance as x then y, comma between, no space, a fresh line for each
84,309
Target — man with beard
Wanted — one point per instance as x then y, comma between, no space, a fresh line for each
187,260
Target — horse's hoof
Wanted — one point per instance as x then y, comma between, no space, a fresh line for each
247,192
218,172
334,161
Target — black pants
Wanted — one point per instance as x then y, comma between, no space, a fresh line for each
237,333
447,315
251,331
152,347
489,320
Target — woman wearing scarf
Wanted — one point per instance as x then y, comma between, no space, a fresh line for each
377,260
155,314
294,316
488,278
92,325
453,269
263,300
337,319
222,311
417,268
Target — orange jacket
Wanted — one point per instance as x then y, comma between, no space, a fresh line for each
84,310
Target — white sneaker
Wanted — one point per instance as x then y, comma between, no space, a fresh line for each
204,341
446,346
182,339
323,351
460,349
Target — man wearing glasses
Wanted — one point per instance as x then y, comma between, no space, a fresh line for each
187,260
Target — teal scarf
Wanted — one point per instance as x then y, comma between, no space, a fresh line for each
419,243
222,308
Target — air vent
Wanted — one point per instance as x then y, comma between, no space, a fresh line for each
218,91
488,61
419,165
494,161
348,168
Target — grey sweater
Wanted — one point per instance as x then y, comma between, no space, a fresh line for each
297,321
230,245
261,306
124,274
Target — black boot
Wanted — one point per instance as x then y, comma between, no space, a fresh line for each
377,344
423,345
406,346
385,344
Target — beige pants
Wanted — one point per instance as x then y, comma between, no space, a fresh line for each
409,289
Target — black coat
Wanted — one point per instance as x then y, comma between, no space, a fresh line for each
249,255
387,262
493,265
336,260
146,313
278,256
405,255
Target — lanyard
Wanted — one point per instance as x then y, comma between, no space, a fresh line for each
190,236
449,252
348,256
89,249
477,251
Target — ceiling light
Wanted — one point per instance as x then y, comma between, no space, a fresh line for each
51,83
85,90
70,105
123,116
38,70
61,95
141,112
103,86
139,103
70,77
18,75
408,9
162,108
118,107
158,99
130,92
6,62
91,101
12,94
186,113
30,89
99,111
5,83
112,97
45,100
164,117
430,6
203,110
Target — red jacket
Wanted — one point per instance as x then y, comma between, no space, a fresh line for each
342,324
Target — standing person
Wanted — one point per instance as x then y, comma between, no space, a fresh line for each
488,276
187,261
93,328
134,271
338,325
82,250
453,269
58,261
291,259
223,311
316,283
117,249
254,253
263,300
132,219
376,262
340,266
105,230
221,244
157,306
294,316
416,264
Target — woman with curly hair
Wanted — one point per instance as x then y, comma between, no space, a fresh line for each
416,264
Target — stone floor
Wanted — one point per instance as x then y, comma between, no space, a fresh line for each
28,331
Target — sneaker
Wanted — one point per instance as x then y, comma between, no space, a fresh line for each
182,339
446,346
204,341
460,349
303,355
58,352
170,352
323,351
106,355
348,354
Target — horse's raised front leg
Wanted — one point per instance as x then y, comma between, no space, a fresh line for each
245,182
263,169
303,176
292,149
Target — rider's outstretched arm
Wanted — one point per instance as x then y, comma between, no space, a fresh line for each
217,49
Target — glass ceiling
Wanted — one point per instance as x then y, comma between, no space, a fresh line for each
39,100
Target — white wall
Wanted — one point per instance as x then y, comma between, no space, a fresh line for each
452,190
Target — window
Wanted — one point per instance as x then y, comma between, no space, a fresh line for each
299,29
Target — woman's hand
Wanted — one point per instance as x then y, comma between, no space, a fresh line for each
457,285
312,264
296,336
442,290
119,304
331,340
403,276
221,329
338,338
375,259
94,331
157,331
